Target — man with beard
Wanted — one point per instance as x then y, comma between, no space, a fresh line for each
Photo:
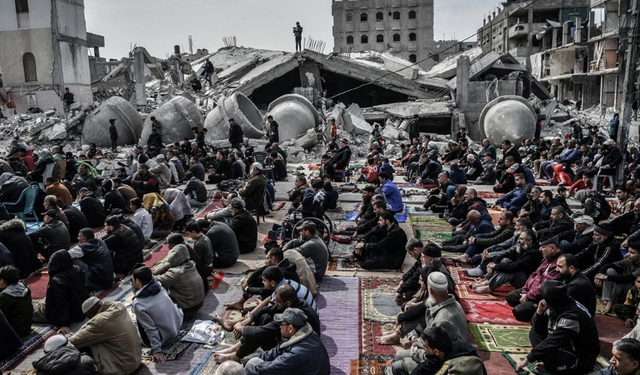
482,241
383,247
574,240
511,267
525,299
506,182
559,223
603,250
366,214
578,286
437,198
563,334
409,284
440,350
628,223
532,208
515,198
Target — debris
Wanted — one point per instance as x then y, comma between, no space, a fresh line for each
177,117
128,123
239,108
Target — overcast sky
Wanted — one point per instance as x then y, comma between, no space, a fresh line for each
158,25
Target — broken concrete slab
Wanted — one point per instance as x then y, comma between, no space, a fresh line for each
308,140
54,133
361,126
294,114
237,107
177,117
128,123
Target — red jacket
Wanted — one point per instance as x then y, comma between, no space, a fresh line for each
580,185
371,171
546,271
334,130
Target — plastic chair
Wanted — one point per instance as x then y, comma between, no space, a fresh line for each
28,196
260,157
260,211
599,187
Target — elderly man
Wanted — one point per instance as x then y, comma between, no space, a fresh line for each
563,335
110,335
182,280
83,179
442,311
524,300
93,257
312,248
303,353
244,226
603,250
162,172
478,224
383,247
253,191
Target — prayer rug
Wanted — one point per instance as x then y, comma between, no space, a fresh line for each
542,182
425,234
369,364
342,264
277,206
412,210
379,312
400,218
514,358
39,333
338,249
431,220
172,349
465,292
38,283
489,311
501,337
489,195
458,276
214,205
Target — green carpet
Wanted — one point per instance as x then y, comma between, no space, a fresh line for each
431,235
428,221
514,358
501,337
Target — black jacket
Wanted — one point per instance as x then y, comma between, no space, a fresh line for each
65,360
273,132
410,279
10,340
55,236
13,236
246,230
224,168
11,190
196,189
612,157
279,170
528,261
124,245
93,210
341,158
581,289
261,332
98,258
198,171
77,220
114,199
593,257
391,248
432,364
66,291
576,241
236,135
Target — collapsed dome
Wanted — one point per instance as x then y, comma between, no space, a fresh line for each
128,123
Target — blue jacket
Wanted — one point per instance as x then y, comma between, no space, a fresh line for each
530,177
513,200
484,226
457,176
392,193
545,211
388,169
613,127
302,354
569,154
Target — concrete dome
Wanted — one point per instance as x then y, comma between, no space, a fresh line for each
239,108
177,117
508,117
294,114
128,123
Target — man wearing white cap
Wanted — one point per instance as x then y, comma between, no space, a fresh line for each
253,191
60,354
162,171
474,167
580,237
442,311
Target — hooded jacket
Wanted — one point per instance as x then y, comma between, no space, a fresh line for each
14,237
593,257
96,255
182,280
391,248
394,198
15,303
157,314
246,230
65,360
93,210
303,354
125,248
576,241
76,219
66,291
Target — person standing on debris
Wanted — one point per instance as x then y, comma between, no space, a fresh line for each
67,100
273,130
236,136
334,129
208,71
413,128
113,134
614,124
297,32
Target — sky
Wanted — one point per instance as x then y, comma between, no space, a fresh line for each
158,25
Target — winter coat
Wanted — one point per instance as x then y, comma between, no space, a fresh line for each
10,340
488,175
253,192
157,314
12,188
225,245
163,173
182,280
114,200
577,241
457,176
593,257
76,219
147,183
459,349
236,135
627,271
527,261
513,200
65,360
581,289
55,236
451,312
61,192
93,210
204,248
15,303
66,291
246,230
125,248
497,236
612,157
546,271
315,251
341,158
14,237
304,272
391,248
195,189
95,254
393,195
303,354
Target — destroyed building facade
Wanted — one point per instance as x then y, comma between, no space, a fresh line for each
43,49
405,26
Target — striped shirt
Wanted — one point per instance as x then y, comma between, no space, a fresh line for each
302,292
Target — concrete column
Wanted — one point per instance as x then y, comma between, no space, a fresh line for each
566,32
578,36
138,66
462,85
96,52
554,38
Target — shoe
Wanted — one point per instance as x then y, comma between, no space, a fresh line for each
474,272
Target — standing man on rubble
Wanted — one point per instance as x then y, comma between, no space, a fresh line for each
297,32
236,136
208,71
113,134
274,136
413,129
67,100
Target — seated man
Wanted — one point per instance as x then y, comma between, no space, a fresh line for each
572,241
65,293
92,256
15,301
603,249
83,179
181,280
224,243
127,191
303,353
440,349
618,277
54,187
110,335
253,192
223,214
195,191
51,203
628,224
59,354
525,299
477,223
409,284
391,193
201,245
124,245
488,175
141,217
513,267
516,198
159,319
279,169
625,357
479,243
113,199
578,286
51,237
92,208
259,330
144,182
312,248
244,226
383,247
558,223
77,220
563,334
